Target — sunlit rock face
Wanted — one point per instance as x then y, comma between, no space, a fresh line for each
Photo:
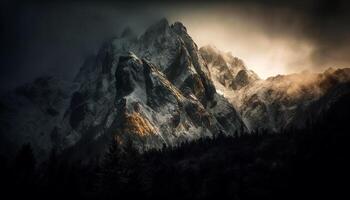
287,98
277,102
159,89
228,72
155,89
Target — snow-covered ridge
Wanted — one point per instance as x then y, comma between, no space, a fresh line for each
158,89
155,89
276,102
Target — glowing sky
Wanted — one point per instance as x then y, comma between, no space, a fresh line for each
275,37
248,37
266,56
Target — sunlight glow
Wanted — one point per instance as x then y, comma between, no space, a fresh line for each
268,55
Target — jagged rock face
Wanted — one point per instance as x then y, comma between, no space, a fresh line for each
164,86
155,108
158,89
277,102
243,78
228,72
152,111
155,89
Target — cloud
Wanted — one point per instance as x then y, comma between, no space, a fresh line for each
271,36
55,38
275,37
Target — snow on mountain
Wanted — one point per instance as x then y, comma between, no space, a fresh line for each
159,89
155,89
228,73
283,96
276,102
226,69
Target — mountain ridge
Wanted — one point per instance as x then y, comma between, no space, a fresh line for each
276,102
156,89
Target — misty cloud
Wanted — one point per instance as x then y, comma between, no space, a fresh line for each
275,38
283,36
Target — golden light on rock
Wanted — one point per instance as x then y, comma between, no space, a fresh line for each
135,123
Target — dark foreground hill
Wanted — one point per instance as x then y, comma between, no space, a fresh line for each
293,164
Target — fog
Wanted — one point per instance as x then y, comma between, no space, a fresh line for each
273,38
258,38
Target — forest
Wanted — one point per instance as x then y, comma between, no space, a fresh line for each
295,163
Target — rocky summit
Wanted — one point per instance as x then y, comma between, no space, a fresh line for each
158,89
155,89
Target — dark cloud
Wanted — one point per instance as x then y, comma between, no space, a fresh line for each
54,38
329,28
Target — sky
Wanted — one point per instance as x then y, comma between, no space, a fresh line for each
272,37
249,34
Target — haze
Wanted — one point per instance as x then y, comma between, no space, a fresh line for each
245,33
276,37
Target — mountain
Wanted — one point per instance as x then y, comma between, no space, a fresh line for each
31,114
158,90
229,72
279,102
155,89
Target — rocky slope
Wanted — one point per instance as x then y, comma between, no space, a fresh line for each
227,70
155,89
159,89
32,114
277,102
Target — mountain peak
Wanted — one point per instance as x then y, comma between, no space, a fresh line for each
127,56
155,89
179,27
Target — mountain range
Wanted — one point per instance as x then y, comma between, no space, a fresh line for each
159,89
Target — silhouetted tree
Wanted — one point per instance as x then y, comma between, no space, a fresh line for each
130,176
110,172
24,171
295,163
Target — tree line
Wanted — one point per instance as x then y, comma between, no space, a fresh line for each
295,163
